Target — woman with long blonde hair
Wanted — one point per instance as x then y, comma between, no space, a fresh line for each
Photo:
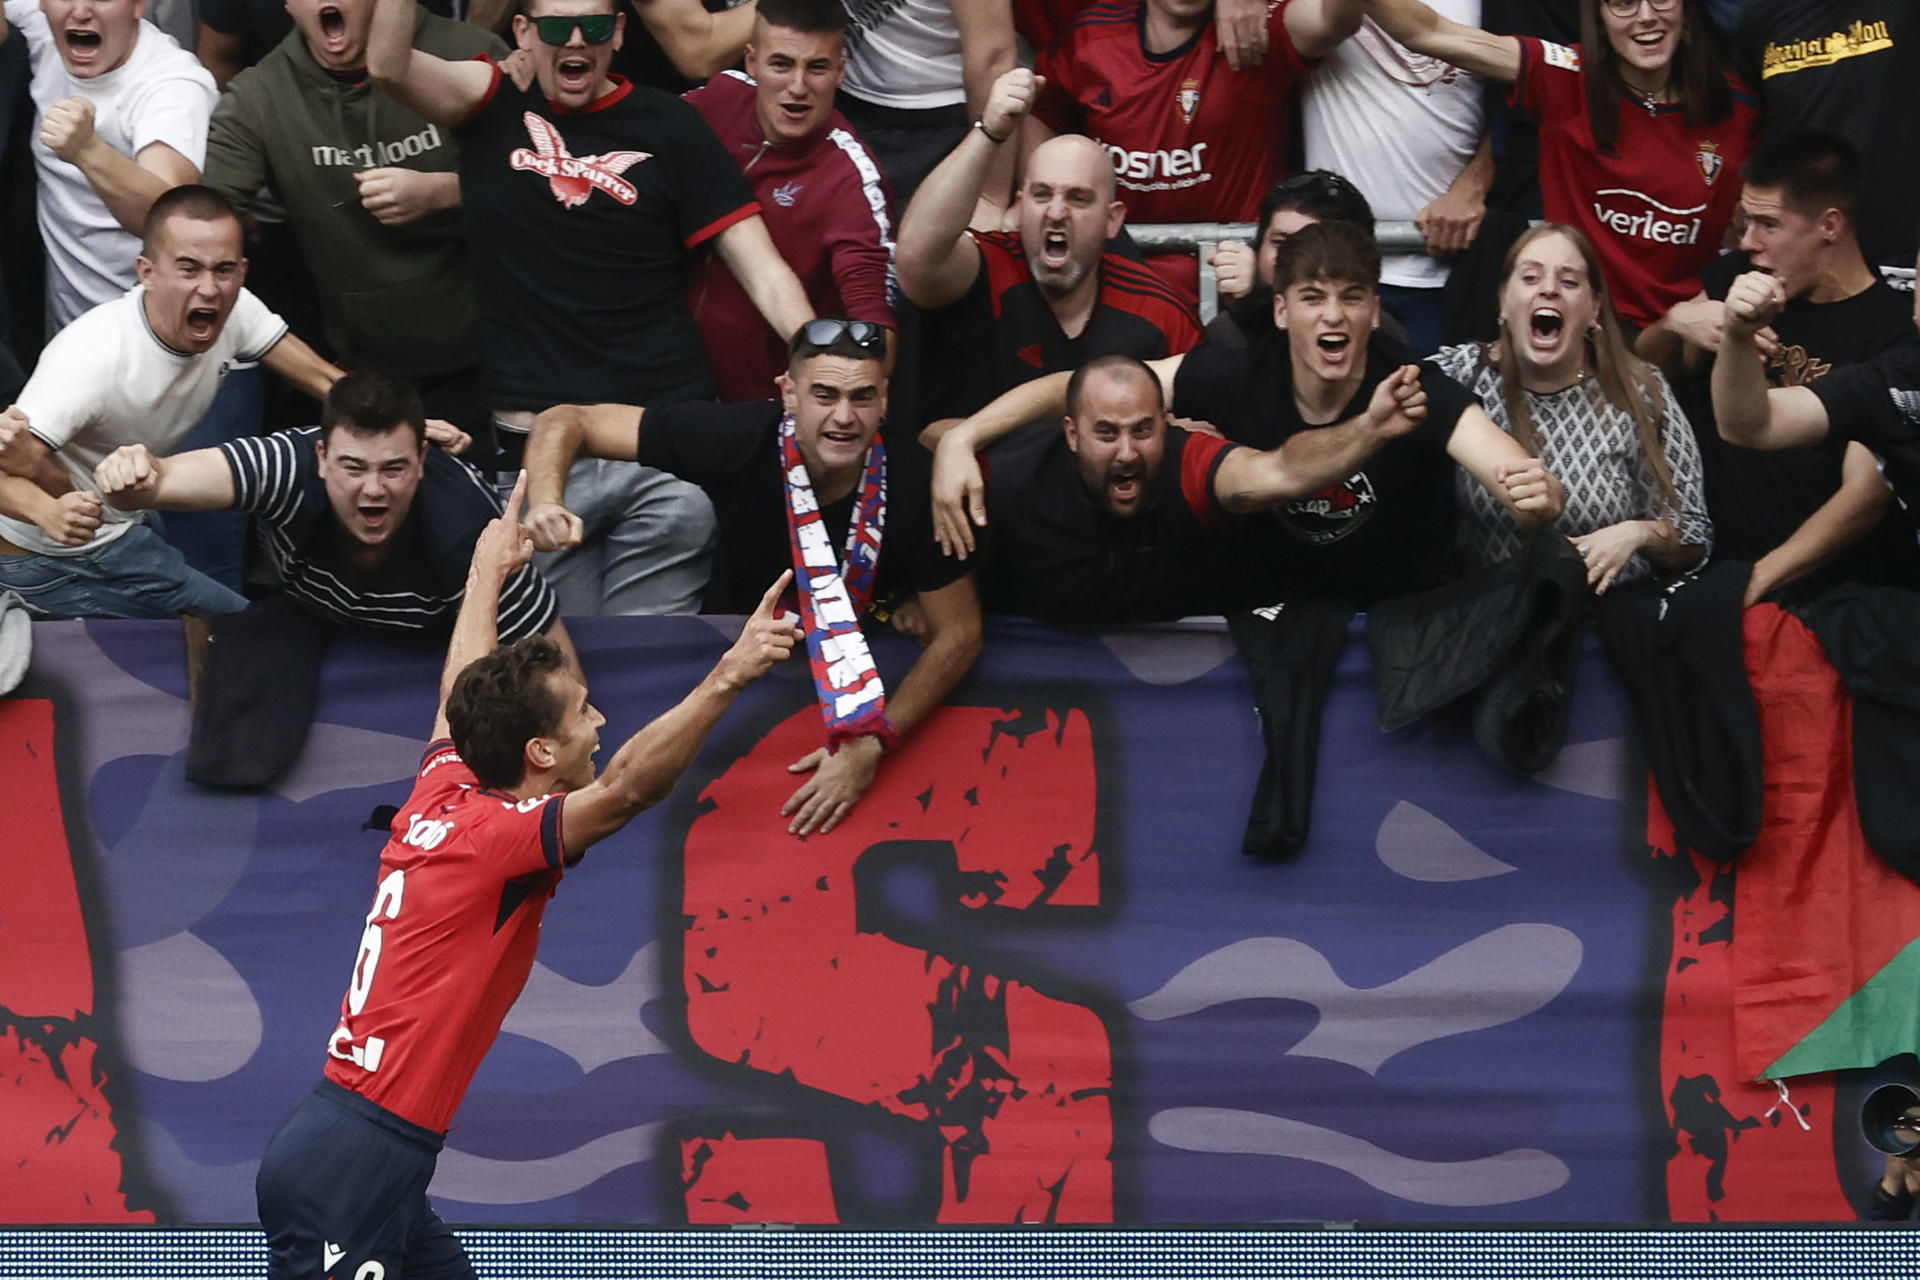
1563,382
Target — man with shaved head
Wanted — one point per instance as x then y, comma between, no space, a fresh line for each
1044,298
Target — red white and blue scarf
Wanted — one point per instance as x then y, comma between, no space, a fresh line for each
833,593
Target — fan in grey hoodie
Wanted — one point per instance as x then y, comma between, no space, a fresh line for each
371,189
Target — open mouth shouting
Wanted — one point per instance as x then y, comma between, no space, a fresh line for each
203,324
1545,327
1126,484
84,46
1335,349
1055,250
573,73
373,518
335,41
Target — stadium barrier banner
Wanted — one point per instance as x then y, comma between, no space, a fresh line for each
1030,979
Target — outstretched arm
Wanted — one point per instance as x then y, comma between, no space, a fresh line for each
1839,522
699,43
959,489
1522,484
1309,461
443,92
837,780
1414,25
69,518
300,366
560,435
126,185
647,765
1745,409
26,455
131,478
777,293
1317,26
499,552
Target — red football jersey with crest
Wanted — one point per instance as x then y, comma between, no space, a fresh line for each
1192,139
464,881
1657,208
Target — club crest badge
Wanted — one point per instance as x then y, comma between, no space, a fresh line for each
1710,161
1189,99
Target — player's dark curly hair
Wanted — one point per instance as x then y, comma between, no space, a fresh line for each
502,701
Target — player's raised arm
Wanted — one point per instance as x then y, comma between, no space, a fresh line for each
502,548
647,765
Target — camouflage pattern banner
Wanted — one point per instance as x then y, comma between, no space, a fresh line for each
1031,978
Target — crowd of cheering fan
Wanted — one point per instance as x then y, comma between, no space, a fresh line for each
294,295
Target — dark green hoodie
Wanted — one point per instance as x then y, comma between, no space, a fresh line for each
395,298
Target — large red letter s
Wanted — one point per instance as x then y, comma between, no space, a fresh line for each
57,1132
781,978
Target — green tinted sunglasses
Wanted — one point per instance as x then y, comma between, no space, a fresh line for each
595,28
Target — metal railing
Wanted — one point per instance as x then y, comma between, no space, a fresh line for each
1393,237
1204,237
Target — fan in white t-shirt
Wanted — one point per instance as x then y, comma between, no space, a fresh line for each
1408,131
121,114
141,368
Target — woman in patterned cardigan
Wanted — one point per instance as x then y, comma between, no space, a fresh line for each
1563,382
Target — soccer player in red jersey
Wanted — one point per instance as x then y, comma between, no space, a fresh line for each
505,801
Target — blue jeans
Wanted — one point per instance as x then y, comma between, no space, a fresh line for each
136,575
215,542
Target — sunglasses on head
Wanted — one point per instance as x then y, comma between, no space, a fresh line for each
864,334
595,28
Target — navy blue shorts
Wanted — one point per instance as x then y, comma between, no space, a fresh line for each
343,1194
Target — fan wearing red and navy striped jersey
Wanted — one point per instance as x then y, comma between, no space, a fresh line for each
506,799
1044,299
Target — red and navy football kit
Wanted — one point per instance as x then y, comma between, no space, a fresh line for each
1655,209
1004,314
1192,139
462,886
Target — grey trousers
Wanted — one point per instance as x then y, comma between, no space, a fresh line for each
648,545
